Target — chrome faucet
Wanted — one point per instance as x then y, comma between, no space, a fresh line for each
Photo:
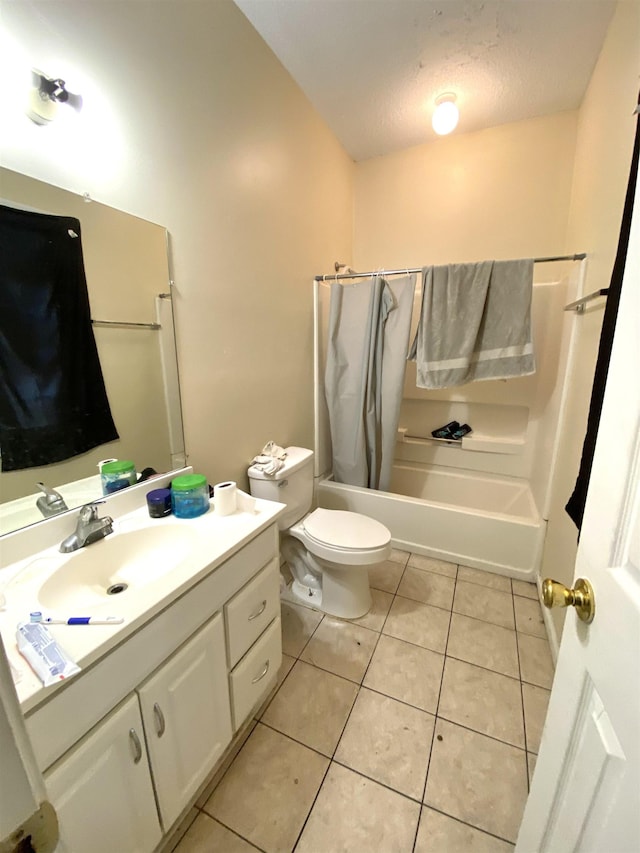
51,502
89,528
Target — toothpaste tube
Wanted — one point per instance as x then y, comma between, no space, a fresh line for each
46,658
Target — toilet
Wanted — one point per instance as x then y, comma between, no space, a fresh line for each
329,551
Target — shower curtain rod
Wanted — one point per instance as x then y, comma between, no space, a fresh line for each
336,276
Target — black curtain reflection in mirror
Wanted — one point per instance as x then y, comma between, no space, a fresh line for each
53,402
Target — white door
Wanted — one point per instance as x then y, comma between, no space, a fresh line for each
102,788
585,794
187,719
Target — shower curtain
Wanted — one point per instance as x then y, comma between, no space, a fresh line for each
369,325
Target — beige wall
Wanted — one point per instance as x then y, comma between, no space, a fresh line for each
497,193
199,128
603,155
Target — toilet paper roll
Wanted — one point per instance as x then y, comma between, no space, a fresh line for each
224,498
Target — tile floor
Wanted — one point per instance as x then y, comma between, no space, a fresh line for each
415,728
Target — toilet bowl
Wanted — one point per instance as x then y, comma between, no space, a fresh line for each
332,551
329,551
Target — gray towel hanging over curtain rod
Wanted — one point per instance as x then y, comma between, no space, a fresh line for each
337,276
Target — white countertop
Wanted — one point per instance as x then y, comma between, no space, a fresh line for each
215,539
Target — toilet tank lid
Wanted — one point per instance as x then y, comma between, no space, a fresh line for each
297,457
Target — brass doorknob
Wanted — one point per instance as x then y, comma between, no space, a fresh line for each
555,594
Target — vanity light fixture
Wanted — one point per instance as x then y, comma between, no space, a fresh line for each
446,114
45,98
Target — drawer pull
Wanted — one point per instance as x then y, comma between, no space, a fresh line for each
134,740
262,674
259,611
159,717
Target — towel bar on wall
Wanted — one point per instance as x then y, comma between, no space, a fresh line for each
123,324
580,304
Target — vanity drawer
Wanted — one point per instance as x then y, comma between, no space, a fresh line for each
256,673
251,609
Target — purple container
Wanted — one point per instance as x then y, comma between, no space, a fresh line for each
159,503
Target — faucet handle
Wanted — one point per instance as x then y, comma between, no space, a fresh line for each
51,495
89,512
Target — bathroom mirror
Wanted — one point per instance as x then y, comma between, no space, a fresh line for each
127,271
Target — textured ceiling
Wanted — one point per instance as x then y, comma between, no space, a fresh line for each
373,68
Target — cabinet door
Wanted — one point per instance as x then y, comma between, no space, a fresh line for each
102,791
187,720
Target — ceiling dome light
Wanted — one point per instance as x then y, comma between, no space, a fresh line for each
445,116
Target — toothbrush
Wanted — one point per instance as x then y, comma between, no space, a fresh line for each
77,620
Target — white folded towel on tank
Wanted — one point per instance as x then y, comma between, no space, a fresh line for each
271,458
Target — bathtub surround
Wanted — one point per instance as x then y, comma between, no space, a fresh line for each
480,500
475,323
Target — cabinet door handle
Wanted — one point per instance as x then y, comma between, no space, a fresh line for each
259,611
262,674
134,740
159,717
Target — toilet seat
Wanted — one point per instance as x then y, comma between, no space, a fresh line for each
343,537
345,530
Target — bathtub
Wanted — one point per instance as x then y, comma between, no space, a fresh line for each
480,520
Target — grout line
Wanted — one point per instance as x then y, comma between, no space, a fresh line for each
331,759
482,734
411,642
427,603
486,621
472,825
486,586
401,701
311,807
297,657
331,672
433,734
231,763
524,719
366,669
235,832
299,742
174,846
377,782
485,668
416,645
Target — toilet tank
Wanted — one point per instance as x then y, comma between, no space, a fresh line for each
291,485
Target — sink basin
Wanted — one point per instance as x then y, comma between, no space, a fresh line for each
115,567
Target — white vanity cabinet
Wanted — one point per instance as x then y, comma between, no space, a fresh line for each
106,776
119,777
187,723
